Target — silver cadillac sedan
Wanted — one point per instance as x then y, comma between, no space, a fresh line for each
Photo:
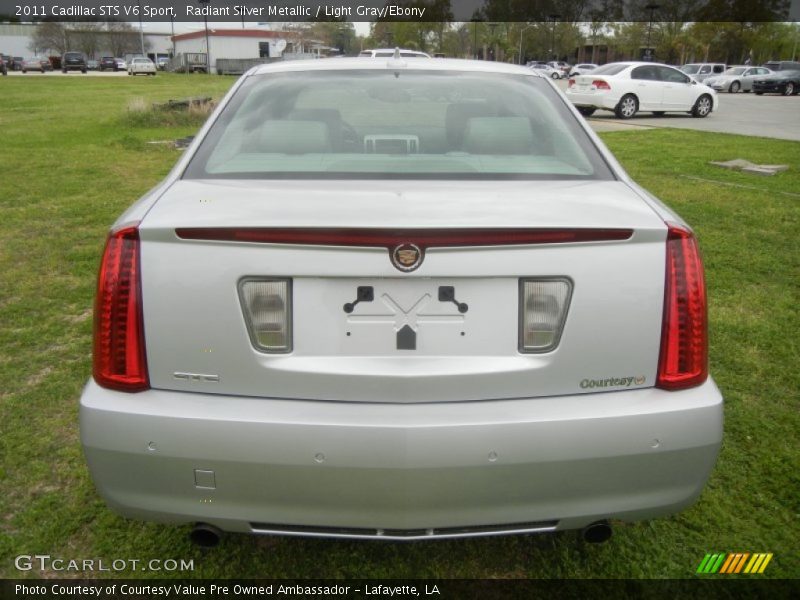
399,299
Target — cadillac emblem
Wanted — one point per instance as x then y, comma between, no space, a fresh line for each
406,257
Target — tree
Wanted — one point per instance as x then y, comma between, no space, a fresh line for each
122,39
88,38
50,36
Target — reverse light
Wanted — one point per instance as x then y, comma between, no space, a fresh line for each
266,304
119,360
600,84
683,360
543,309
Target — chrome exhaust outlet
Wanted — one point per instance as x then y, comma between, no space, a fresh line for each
205,536
597,533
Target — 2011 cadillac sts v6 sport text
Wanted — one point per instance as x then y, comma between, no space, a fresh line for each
399,299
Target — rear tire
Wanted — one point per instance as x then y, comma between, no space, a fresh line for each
627,107
789,89
735,87
759,93
702,108
586,111
555,76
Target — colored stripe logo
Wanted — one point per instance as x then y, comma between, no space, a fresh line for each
735,562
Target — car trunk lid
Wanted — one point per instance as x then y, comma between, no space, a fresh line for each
197,331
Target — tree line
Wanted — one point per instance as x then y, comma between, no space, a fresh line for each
118,38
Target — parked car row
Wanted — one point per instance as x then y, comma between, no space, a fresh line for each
77,61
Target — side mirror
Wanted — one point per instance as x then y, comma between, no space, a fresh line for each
693,81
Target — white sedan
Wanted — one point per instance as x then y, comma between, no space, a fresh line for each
546,69
399,299
141,66
629,87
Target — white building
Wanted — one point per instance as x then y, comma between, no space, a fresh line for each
16,39
238,43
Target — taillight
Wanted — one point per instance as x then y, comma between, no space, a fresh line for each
600,84
570,83
683,361
120,362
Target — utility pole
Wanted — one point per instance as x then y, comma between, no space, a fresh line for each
553,53
208,49
652,8
529,25
141,32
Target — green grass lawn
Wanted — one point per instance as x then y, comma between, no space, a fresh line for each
72,160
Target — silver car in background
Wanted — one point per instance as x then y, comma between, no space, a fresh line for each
399,299
737,79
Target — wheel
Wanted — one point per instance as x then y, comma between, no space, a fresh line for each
735,87
24,71
627,107
586,111
658,113
702,107
83,71
759,93
789,89
554,75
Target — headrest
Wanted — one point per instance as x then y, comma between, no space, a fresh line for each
294,137
498,135
456,119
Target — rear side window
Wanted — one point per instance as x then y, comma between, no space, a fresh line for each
397,124
645,72
671,75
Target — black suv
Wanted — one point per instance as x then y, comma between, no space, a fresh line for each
108,62
74,61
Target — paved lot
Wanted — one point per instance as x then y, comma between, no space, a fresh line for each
745,114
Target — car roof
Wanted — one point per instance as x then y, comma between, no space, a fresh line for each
361,63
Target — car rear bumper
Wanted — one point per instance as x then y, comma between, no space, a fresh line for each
602,100
770,88
400,471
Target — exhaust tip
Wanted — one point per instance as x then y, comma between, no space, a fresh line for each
597,532
205,536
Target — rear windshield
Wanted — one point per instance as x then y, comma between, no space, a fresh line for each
690,69
381,124
610,69
735,70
